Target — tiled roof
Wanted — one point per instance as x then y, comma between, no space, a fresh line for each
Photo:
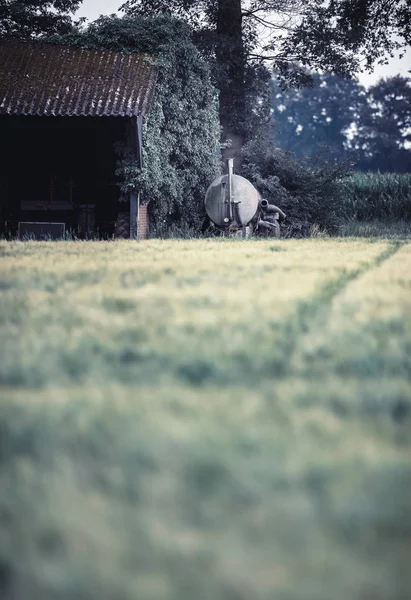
45,79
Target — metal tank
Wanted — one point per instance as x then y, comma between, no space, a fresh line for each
232,203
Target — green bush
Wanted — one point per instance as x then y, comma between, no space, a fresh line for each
308,190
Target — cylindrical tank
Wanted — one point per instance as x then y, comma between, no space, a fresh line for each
231,200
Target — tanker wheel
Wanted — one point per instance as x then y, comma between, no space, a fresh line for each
247,232
244,232
122,227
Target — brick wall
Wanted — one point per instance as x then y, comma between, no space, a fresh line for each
143,223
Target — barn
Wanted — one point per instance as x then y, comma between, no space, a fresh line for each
63,110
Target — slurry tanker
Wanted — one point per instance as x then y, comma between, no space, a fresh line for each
235,206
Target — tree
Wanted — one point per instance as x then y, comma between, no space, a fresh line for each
346,36
330,35
323,115
371,126
32,18
383,132
226,32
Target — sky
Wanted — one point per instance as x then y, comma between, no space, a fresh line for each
92,9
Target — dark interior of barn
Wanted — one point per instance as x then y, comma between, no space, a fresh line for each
60,170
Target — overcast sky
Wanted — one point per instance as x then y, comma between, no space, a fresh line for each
92,9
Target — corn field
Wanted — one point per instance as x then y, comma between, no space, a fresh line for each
368,196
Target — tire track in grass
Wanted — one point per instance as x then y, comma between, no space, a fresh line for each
313,313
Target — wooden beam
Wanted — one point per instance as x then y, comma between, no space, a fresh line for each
134,200
135,143
140,140
139,143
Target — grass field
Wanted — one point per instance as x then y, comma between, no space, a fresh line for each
212,420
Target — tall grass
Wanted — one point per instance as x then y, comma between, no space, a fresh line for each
371,196
375,228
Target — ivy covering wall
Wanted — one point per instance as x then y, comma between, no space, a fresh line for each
181,131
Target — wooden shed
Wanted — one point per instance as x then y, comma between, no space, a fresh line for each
62,111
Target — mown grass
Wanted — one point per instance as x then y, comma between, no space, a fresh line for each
206,419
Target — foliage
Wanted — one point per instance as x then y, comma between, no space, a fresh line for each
312,117
32,18
293,36
220,35
205,419
383,135
333,35
306,190
343,36
367,196
181,131
371,126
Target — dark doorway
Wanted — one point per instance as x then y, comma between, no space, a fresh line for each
60,169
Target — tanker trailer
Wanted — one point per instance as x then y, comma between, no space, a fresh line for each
234,205
232,202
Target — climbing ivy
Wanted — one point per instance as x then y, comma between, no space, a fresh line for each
181,130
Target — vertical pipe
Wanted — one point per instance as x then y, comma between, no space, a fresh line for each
230,189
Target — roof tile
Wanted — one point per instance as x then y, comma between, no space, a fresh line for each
45,79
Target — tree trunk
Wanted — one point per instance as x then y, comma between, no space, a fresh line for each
231,60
